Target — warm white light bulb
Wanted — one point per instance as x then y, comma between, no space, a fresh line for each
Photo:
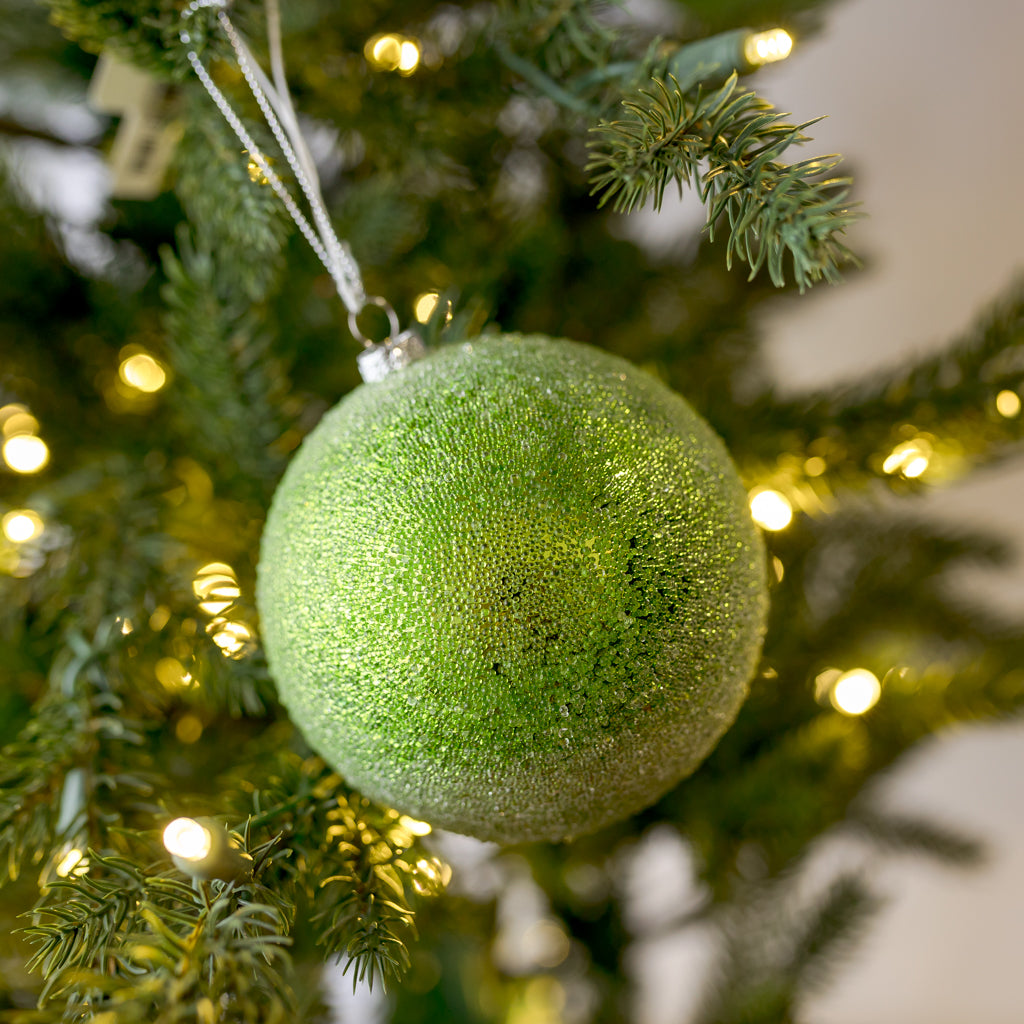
768,47
1008,404
22,525
73,862
26,453
424,305
142,372
417,828
856,691
409,57
384,52
187,839
771,510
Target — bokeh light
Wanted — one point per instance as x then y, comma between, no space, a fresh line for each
142,372
216,586
26,453
909,458
417,828
188,728
235,639
172,675
22,525
424,305
855,692
1008,404
409,57
18,420
770,509
392,52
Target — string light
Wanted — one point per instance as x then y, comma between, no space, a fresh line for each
424,305
203,850
1008,404
172,675
909,458
815,465
409,60
390,52
142,372
431,876
770,509
74,862
17,419
855,692
189,729
256,173
26,453
767,47
22,525
216,586
417,828
187,839
233,638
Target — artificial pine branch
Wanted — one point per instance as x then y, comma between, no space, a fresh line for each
948,395
228,384
908,833
772,210
563,35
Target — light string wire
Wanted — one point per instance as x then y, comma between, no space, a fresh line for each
276,106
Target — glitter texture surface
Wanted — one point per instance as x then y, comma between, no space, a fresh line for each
513,590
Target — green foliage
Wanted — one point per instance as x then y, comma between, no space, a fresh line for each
772,210
948,396
141,492
226,397
33,769
123,945
776,955
142,32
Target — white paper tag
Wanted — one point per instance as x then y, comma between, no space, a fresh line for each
148,133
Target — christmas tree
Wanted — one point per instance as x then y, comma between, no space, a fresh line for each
175,847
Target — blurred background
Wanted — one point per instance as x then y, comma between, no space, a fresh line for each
909,87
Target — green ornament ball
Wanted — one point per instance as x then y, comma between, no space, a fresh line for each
513,589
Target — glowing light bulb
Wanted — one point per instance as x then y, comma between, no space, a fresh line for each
417,828
20,422
74,862
142,372
768,47
384,52
256,173
856,691
1008,404
233,638
26,453
771,510
431,876
189,728
216,586
172,675
424,305
9,410
909,458
187,839
22,525
409,57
